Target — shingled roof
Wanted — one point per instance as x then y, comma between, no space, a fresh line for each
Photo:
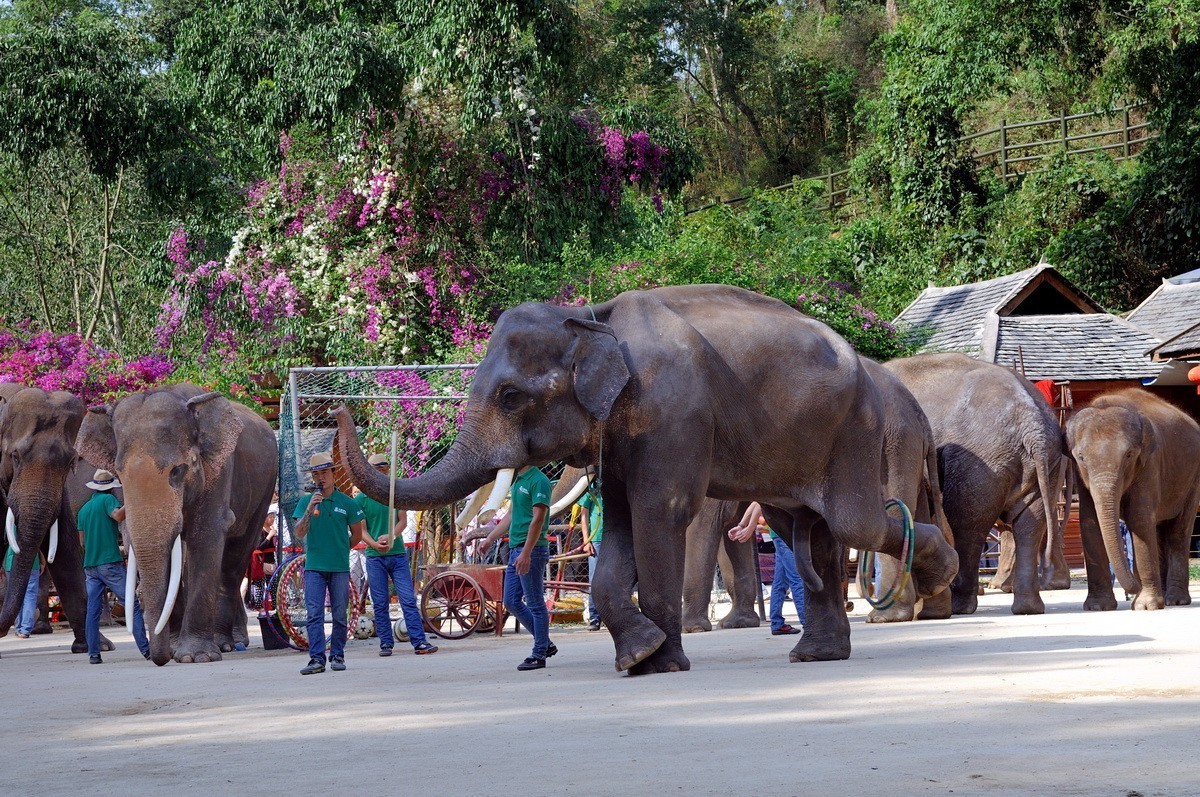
1090,346
1172,309
1184,346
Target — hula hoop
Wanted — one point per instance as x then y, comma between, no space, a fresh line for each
866,562
291,610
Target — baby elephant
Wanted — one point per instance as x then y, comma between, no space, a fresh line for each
1138,459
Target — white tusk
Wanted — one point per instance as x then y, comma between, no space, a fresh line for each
573,496
504,480
474,502
53,542
10,530
131,575
173,587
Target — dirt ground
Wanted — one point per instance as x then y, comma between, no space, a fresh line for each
1067,703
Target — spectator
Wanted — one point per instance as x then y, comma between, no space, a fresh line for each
335,523
389,561
102,564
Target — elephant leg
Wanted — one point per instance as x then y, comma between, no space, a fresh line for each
970,516
903,608
230,629
703,540
739,563
1028,532
660,582
826,635
634,635
203,549
1055,573
1100,597
1143,532
1003,579
41,624
1176,536
67,572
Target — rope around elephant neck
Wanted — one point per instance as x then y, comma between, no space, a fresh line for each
866,562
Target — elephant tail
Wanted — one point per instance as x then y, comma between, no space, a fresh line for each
1050,485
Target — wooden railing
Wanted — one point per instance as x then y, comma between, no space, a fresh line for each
1016,149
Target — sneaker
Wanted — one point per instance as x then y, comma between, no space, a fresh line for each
146,655
337,663
531,664
95,659
314,666
385,651
784,629
425,649
594,625
26,636
550,651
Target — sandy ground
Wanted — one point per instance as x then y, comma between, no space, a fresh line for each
1067,703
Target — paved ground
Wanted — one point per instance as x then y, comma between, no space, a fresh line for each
1068,703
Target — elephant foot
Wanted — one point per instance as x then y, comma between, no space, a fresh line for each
1100,603
821,648
964,603
197,652
936,608
696,625
1144,602
935,562
668,658
638,644
740,618
42,627
1057,582
1028,604
1178,597
896,613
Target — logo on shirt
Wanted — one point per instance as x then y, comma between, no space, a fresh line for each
523,490
339,510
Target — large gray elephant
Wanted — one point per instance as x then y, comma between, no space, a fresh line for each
687,391
1138,458
1000,456
37,468
198,471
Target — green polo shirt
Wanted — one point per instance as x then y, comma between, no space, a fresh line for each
377,523
327,545
592,504
530,488
101,535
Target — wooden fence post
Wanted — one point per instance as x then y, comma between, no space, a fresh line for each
1004,148
1065,143
1125,134
832,204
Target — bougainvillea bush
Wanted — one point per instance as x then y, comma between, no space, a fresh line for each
43,359
384,252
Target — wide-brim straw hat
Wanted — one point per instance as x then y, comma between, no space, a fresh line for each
320,461
377,459
103,480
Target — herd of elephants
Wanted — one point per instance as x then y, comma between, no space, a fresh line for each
689,401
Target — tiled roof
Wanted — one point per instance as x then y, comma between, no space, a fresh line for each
1186,344
1077,347
955,315
1170,310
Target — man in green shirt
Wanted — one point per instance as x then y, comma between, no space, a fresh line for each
102,563
390,562
330,523
528,553
592,520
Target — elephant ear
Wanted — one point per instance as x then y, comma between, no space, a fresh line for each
96,442
218,427
597,367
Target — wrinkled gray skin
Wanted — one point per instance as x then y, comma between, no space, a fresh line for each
195,465
692,391
708,545
1138,458
1052,565
37,464
1000,456
911,475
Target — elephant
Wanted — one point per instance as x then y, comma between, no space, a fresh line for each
999,456
680,393
708,545
1137,458
198,472
1052,566
38,476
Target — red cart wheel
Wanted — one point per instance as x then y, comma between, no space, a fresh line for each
452,605
289,603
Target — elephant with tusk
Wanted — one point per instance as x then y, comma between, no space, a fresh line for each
686,392
198,471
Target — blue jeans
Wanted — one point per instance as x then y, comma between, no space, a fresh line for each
394,567
786,577
111,575
593,615
28,613
316,584
525,597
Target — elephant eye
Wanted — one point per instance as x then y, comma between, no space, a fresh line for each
176,475
511,399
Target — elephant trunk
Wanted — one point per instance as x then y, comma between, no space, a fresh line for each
1105,491
155,567
30,523
454,476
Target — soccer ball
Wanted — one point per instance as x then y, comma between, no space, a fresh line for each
365,628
